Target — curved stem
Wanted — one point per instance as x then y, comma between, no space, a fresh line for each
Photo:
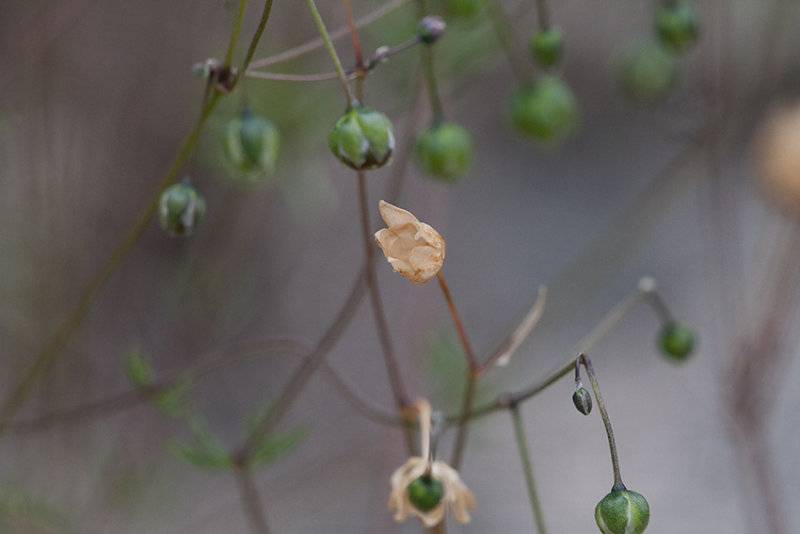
251,503
262,23
527,469
543,13
612,444
337,63
433,89
235,32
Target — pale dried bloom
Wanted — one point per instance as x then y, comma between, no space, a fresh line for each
456,496
779,156
414,249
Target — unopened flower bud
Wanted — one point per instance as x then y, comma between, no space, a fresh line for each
622,512
547,110
251,143
547,46
647,73
425,492
676,340
180,208
362,138
444,150
582,400
676,25
430,28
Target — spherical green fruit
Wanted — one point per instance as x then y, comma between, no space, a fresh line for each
444,150
362,138
464,8
647,72
676,340
676,25
251,143
425,493
546,110
547,46
622,512
180,209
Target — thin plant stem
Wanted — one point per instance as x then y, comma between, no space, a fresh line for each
235,32
361,70
248,495
337,63
543,13
507,38
262,23
433,89
612,444
462,334
527,469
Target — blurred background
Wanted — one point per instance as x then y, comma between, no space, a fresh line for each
95,99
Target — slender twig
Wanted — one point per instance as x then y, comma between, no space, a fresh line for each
612,445
337,63
527,469
361,70
543,13
433,89
472,362
508,41
248,495
317,43
262,23
502,354
235,32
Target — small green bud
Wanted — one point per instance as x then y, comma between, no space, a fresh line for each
546,110
676,340
362,138
647,73
547,46
430,28
251,143
444,150
582,400
622,512
676,25
463,8
425,492
180,208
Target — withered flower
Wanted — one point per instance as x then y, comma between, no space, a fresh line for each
413,248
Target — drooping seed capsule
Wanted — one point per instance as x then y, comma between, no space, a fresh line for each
362,138
180,209
547,46
622,512
546,110
582,400
430,29
444,151
251,144
676,340
647,72
425,492
676,25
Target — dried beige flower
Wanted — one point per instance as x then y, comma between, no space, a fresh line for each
414,249
457,497
779,156
454,493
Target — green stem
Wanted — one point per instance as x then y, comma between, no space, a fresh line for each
262,23
433,89
506,37
612,444
337,63
527,469
543,12
235,32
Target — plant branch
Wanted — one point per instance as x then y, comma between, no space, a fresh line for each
527,469
235,32
337,63
248,495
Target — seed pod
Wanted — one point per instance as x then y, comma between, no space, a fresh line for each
582,400
546,110
251,143
180,208
646,72
676,341
547,46
676,25
430,28
362,138
425,492
444,150
622,512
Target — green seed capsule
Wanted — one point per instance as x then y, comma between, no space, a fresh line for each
647,73
180,208
676,341
463,8
622,512
582,401
546,110
444,150
676,25
547,46
425,493
362,138
251,144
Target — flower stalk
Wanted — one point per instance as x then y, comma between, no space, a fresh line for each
527,468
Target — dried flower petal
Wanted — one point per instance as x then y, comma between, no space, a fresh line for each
414,249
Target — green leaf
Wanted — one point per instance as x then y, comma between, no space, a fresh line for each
277,445
138,369
170,401
199,457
